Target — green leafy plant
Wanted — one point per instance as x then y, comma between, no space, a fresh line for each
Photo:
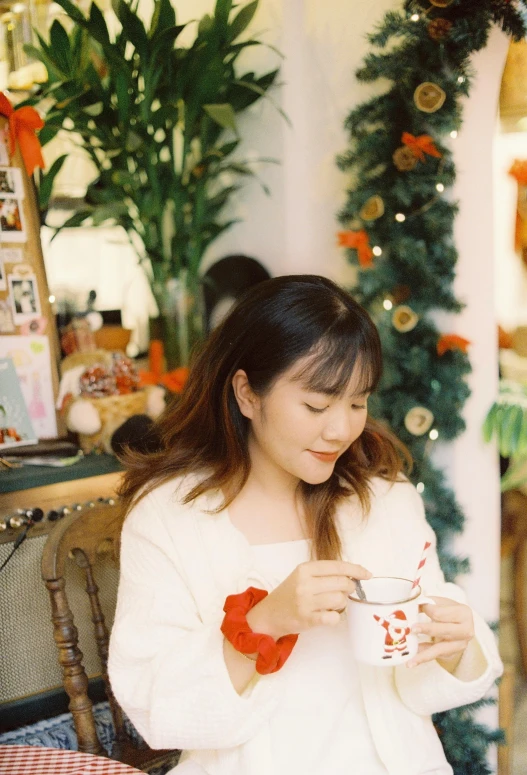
506,421
158,121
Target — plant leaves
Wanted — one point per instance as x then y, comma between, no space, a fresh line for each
97,25
222,114
222,11
107,212
163,17
133,28
242,20
60,45
46,182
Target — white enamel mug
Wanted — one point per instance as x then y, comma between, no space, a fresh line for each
380,627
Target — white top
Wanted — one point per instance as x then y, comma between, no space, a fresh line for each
179,563
330,693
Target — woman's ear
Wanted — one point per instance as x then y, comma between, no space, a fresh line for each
244,394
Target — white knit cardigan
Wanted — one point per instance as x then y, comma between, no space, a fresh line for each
178,564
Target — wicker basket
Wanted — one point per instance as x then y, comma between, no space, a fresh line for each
113,411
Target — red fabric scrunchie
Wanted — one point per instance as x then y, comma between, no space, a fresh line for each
272,654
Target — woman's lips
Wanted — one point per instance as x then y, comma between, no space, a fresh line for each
326,457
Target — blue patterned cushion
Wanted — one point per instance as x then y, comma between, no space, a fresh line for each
59,732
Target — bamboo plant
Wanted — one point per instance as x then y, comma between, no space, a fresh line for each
157,119
506,421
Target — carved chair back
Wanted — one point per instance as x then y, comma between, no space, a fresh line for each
84,537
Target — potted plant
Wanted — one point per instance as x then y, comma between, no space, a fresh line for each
159,122
507,422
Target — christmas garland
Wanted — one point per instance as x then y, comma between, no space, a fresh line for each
398,230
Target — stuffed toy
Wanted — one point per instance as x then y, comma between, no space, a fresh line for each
99,391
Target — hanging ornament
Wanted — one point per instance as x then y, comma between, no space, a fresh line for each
418,420
404,159
420,145
359,241
404,319
452,342
441,3
372,209
429,97
415,147
439,28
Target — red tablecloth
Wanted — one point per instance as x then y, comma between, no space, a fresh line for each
34,760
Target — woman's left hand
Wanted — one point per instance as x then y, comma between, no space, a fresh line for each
451,629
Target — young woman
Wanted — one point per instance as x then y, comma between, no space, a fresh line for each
272,493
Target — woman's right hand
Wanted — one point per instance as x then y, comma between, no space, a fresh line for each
314,594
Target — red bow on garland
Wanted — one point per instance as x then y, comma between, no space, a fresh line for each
23,123
360,241
420,145
452,342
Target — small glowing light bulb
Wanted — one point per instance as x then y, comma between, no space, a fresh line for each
434,434
387,304
461,79
376,250
453,134
419,487
440,187
415,17
51,299
400,217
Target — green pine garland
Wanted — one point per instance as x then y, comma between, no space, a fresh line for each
398,220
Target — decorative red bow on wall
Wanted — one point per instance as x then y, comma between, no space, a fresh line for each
23,123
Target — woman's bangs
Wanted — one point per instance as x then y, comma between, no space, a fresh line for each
335,364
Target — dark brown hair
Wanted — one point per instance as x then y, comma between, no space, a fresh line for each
276,323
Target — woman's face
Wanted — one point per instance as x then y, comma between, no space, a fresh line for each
300,432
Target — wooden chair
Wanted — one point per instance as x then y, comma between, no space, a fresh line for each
84,536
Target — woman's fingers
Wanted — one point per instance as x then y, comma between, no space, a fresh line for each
336,568
429,651
325,618
448,631
330,601
322,584
447,613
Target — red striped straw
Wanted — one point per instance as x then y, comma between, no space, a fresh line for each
421,565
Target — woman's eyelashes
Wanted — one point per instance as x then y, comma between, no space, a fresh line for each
317,410
314,409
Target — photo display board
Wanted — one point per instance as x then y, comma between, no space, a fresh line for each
28,333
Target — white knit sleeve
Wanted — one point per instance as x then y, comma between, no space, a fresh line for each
429,688
166,667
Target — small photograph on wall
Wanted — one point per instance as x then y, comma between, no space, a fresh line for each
24,298
11,183
12,227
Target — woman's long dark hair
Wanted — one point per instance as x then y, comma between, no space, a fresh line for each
275,324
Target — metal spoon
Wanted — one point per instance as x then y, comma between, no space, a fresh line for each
359,590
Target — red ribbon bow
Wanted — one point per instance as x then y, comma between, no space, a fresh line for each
23,123
420,145
360,241
452,342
